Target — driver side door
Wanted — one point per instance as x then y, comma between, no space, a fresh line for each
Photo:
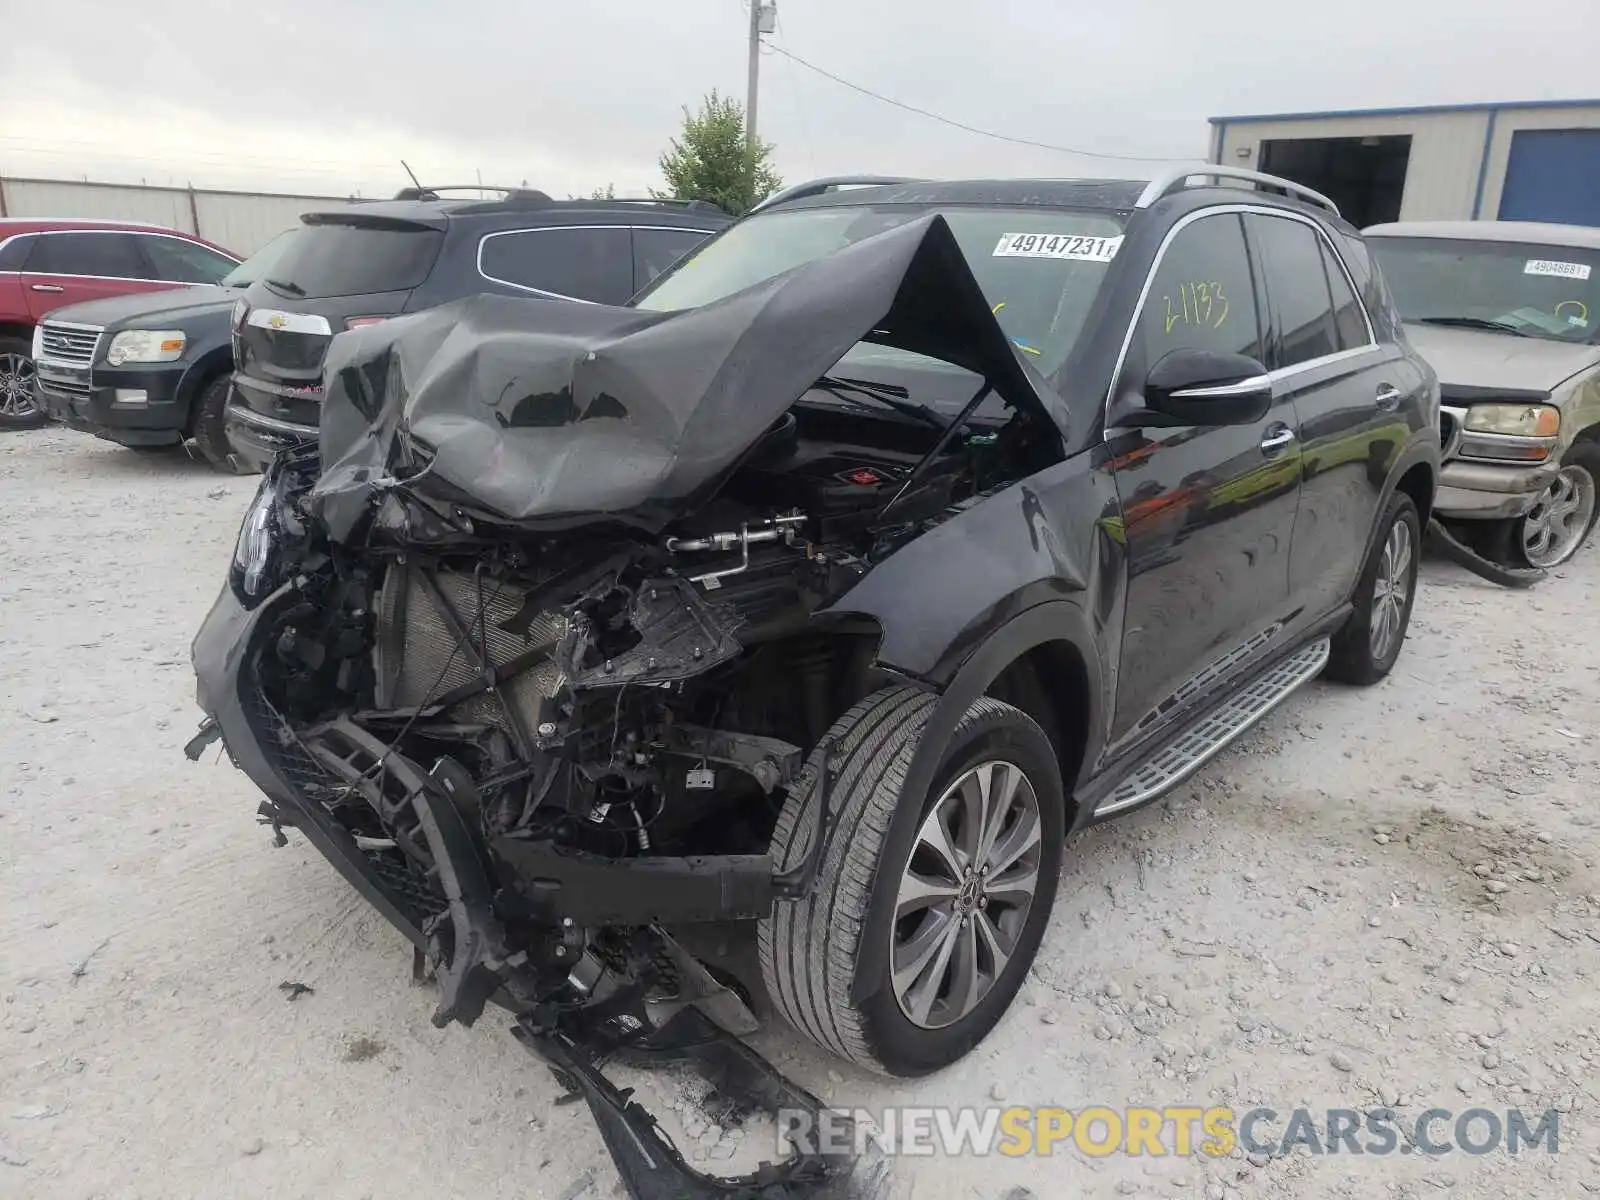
1207,509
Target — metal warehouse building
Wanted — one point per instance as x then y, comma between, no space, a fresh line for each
1531,161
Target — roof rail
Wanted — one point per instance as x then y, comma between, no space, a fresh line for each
436,192
817,187
1176,179
666,202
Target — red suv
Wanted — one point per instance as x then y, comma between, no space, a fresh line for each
47,263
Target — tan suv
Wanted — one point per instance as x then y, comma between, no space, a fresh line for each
1508,314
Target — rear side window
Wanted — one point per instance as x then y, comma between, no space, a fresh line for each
332,259
576,263
1348,323
654,250
105,254
1201,296
15,252
1291,260
180,261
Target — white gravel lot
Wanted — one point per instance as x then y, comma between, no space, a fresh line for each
1384,894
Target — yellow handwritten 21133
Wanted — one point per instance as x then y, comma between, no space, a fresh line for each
1202,302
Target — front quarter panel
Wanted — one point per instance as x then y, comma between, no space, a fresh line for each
1049,537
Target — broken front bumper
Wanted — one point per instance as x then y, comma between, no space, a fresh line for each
573,1040
1481,491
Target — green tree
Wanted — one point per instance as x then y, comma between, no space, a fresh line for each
711,161
609,192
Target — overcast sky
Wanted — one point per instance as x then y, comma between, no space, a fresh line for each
325,96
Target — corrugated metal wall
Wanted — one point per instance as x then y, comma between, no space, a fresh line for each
239,221
1441,176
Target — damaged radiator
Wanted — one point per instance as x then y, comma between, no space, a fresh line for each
432,626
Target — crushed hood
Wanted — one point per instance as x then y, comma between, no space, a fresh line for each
1480,358
559,413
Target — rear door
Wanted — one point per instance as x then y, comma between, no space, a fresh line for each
71,266
1350,396
591,263
178,260
1207,511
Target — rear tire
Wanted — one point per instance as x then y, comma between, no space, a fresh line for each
810,948
19,402
207,424
1365,649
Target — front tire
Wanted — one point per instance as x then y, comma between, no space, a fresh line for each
961,912
1564,515
207,425
19,400
1365,649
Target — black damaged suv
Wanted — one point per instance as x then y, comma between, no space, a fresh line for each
896,534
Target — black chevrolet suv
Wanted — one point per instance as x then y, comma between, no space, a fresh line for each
830,585
358,264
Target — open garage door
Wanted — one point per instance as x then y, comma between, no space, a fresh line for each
1553,175
1364,176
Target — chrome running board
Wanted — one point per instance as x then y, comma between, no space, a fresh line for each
1198,744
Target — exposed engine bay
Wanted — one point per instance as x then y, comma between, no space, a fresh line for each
537,643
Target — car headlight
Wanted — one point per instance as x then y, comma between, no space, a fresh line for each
145,346
38,342
1517,420
254,552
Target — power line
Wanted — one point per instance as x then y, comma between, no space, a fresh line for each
943,120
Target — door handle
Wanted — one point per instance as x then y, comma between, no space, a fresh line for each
1388,397
1276,438
46,287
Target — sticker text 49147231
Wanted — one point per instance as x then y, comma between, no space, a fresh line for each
1067,246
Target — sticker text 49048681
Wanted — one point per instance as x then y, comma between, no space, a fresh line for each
1070,247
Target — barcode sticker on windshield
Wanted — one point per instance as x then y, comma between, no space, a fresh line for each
1058,245
1565,270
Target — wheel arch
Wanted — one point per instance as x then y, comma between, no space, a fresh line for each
1018,663
217,360
17,329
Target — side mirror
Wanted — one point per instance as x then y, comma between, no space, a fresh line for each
1202,387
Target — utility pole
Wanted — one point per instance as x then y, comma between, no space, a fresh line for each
763,15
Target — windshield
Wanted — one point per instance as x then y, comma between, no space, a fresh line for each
259,263
1534,290
1039,268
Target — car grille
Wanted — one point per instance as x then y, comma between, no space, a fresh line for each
404,883
69,344
1449,433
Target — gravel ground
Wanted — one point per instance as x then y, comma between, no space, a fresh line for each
1384,894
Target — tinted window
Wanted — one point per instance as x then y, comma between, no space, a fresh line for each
185,262
15,252
330,259
583,264
1348,322
262,262
1202,297
112,255
654,250
1291,260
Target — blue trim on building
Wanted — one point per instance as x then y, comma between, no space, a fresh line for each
1483,164
1420,110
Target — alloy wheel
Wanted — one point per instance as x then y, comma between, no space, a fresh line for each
1390,590
1556,524
965,894
16,386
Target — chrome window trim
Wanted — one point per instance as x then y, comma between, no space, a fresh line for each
38,233
523,287
1280,373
